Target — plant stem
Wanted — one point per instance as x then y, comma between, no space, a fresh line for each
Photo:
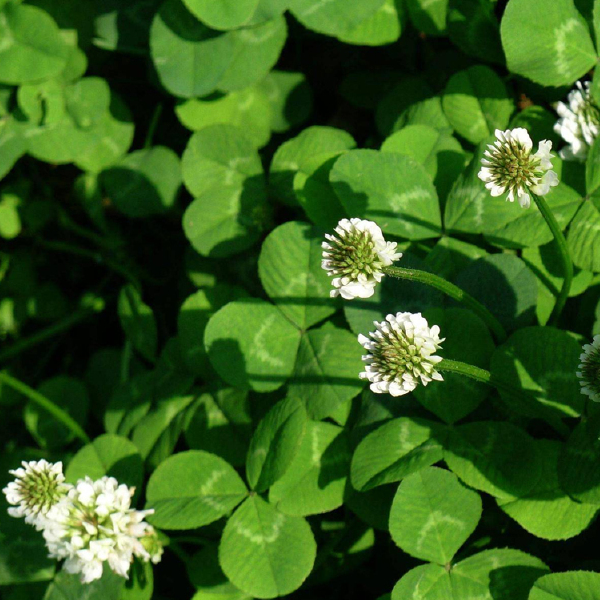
47,333
484,376
97,257
58,413
65,220
563,250
455,366
152,127
454,292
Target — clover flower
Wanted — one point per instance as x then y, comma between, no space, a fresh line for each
589,369
38,486
579,122
401,354
87,524
93,524
510,166
355,256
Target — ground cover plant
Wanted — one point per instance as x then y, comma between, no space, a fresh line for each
299,298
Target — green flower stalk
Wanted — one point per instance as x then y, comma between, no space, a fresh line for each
357,257
452,291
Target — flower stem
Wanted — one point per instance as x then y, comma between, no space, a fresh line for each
58,413
152,127
49,332
565,256
455,366
484,376
454,292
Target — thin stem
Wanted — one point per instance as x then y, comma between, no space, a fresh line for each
48,332
152,127
68,223
452,291
484,376
95,256
563,250
58,413
455,366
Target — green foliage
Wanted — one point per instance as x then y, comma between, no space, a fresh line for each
275,443
495,457
502,574
143,183
73,397
314,482
223,219
33,48
575,584
541,359
220,424
325,381
395,450
433,514
138,322
391,189
23,557
110,455
168,172
252,348
192,489
264,552
547,511
477,103
290,271
468,339
68,587
550,47
577,467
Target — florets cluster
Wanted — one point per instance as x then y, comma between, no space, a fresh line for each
355,256
509,166
86,524
579,122
38,485
401,354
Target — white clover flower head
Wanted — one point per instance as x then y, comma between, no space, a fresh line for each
589,369
355,256
509,166
401,354
95,524
37,487
152,545
579,122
